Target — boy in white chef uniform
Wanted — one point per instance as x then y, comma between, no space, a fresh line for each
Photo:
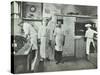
30,33
89,35
59,40
44,36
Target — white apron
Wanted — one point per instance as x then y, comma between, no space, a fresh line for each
59,35
44,37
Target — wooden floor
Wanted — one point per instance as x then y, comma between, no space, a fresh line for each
69,64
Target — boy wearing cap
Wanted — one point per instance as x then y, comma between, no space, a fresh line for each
30,34
59,41
44,36
89,38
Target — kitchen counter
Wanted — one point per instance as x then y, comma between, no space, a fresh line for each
22,59
23,62
78,37
25,49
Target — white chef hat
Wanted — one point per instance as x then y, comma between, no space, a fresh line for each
88,25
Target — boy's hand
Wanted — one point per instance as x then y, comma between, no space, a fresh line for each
39,41
63,43
50,42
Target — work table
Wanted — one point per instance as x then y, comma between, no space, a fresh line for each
22,59
25,49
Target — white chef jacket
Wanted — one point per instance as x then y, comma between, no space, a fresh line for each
59,38
44,36
29,29
89,35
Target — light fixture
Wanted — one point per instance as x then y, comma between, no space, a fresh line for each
33,8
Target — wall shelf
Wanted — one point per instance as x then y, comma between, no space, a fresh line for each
30,19
79,16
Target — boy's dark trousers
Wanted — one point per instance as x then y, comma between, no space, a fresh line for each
58,56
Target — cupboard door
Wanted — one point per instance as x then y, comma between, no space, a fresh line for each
68,26
80,47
